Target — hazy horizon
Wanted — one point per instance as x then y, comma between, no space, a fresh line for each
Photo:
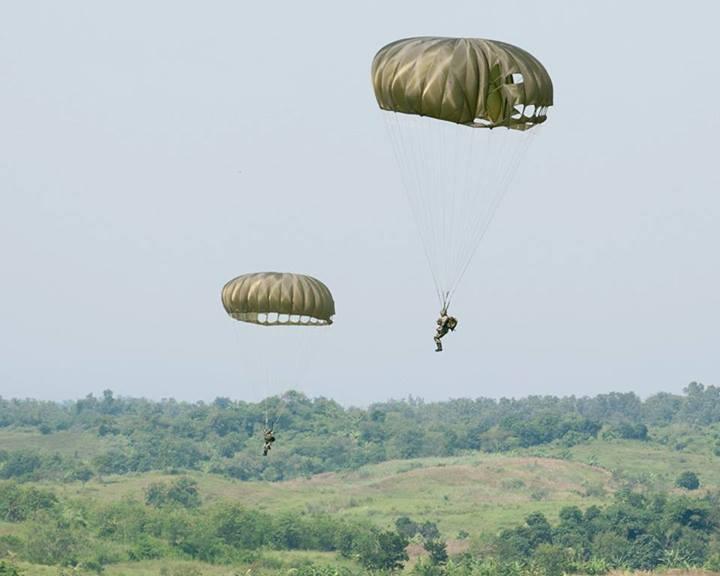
345,405
150,153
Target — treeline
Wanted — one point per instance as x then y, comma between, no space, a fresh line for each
171,524
318,435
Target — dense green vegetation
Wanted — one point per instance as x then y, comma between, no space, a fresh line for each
172,522
468,487
136,435
636,532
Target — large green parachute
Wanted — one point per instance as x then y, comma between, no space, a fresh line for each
437,95
482,83
278,299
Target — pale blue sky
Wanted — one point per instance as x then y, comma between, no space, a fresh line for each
150,151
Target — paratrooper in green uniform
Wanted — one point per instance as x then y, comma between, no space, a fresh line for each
445,323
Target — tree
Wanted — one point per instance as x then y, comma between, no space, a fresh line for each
18,503
381,550
627,431
437,549
429,530
53,541
552,559
241,528
20,464
406,527
182,492
688,480
645,553
156,494
540,529
9,569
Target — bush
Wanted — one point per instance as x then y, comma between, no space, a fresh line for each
437,551
713,563
381,550
552,559
146,549
182,492
21,464
9,569
688,480
9,545
594,490
51,541
627,431
18,503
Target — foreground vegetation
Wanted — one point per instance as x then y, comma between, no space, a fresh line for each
551,486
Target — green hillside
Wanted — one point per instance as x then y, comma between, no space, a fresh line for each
471,498
479,494
533,486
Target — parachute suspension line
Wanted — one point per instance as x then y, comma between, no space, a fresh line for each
435,159
463,151
514,155
401,152
280,410
474,195
430,181
437,213
465,144
455,178
420,178
483,190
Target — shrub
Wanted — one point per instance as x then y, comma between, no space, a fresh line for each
688,480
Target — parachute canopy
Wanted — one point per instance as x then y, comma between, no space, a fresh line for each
471,81
278,299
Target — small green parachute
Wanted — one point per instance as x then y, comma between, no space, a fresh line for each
278,299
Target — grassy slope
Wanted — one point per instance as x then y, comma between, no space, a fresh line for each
271,564
478,493
654,465
178,568
70,443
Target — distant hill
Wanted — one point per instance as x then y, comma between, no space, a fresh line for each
108,436
126,486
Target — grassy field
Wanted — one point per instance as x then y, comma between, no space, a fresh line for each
77,444
649,464
269,563
268,566
476,493
479,494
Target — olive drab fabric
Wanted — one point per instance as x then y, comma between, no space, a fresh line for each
480,83
279,298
